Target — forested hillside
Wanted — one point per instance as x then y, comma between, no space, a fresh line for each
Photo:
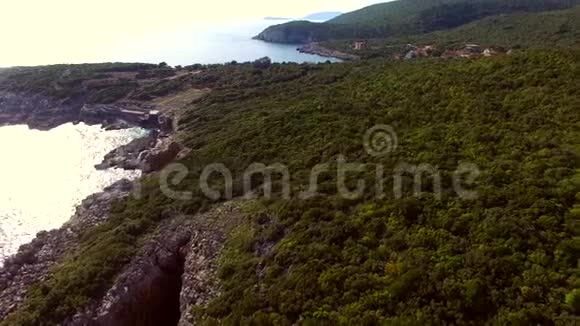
508,255
406,17
553,29
427,16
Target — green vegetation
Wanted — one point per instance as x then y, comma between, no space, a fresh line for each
302,31
406,18
111,91
68,81
509,257
415,16
573,300
98,83
89,269
554,29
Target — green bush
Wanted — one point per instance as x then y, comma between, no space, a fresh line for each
508,256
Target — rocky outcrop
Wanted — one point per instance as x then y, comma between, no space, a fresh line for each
130,156
148,154
316,48
44,112
33,261
164,152
37,111
93,114
147,291
199,281
174,271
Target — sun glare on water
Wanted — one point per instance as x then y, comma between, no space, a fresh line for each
44,175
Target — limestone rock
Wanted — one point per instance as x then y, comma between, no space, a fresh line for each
129,157
162,154
34,260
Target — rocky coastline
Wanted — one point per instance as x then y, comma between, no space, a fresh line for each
44,112
174,270
33,261
148,154
316,48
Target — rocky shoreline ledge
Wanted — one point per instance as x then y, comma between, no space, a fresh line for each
174,270
33,261
148,154
316,48
44,112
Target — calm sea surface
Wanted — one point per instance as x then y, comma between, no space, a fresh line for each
181,44
211,44
46,174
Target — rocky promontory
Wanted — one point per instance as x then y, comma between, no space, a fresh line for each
295,32
44,112
316,48
303,32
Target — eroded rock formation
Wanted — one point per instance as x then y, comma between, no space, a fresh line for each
34,260
174,271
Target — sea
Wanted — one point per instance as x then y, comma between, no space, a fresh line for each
213,44
183,44
44,175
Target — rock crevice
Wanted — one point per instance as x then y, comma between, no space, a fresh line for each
175,270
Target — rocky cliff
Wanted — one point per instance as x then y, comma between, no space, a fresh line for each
174,271
297,32
45,112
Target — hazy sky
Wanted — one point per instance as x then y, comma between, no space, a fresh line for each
33,28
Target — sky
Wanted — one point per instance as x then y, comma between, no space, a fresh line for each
31,29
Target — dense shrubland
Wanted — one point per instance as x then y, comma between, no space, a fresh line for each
406,18
99,83
510,256
554,29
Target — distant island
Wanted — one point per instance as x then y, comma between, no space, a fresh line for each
276,18
317,16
